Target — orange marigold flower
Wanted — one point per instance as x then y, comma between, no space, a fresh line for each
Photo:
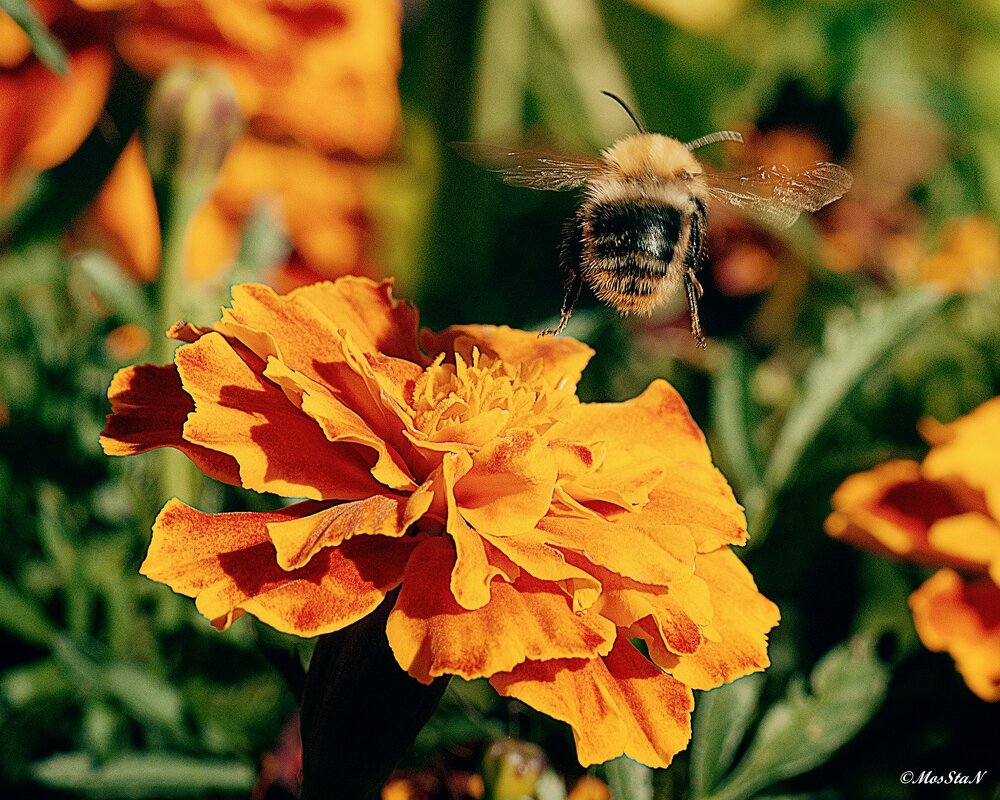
530,535
943,512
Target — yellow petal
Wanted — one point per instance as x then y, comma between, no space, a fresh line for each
432,635
617,705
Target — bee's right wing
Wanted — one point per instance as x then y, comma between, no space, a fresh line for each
531,169
777,195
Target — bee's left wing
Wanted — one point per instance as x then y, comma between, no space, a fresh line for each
531,169
777,195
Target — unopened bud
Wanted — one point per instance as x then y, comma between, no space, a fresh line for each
511,769
192,120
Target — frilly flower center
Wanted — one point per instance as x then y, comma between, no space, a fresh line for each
520,395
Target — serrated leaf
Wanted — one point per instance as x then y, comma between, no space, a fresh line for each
43,43
628,779
721,719
805,729
850,355
143,775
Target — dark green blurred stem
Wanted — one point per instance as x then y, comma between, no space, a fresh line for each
360,711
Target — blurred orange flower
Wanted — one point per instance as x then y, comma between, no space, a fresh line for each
530,535
316,82
942,512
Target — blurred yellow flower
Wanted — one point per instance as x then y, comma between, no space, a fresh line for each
531,535
942,512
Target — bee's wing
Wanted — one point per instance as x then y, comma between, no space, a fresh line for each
777,195
531,169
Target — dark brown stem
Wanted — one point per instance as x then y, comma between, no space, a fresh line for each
360,711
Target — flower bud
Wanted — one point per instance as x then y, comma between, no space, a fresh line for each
511,769
192,120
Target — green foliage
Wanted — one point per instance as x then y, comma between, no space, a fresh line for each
45,46
796,734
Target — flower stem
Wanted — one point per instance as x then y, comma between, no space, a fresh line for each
360,711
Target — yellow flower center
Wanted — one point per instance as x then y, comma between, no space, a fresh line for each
449,398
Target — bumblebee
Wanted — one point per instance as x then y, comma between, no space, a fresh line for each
640,230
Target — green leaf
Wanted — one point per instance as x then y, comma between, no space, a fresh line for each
852,352
142,775
628,779
731,425
804,730
721,719
115,289
23,618
44,44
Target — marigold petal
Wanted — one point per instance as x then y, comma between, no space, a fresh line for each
890,510
509,488
624,478
563,357
696,495
638,548
297,540
962,618
966,452
742,618
617,705
432,635
148,409
279,449
339,423
970,538
227,563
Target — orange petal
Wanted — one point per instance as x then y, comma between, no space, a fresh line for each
627,545
741,620
563,357
339,423
970,538
125,211
967,453
509,487
473,572
624,478
695,494
617,705
67,109
148,410
279,449
227,563
297,540
962,618
890,510
432,635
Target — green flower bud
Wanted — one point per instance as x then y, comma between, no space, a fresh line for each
511,769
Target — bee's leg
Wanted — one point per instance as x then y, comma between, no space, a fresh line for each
691,283
570,258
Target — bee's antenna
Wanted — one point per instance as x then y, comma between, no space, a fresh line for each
628,110
712,138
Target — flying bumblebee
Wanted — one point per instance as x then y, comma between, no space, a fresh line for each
640,230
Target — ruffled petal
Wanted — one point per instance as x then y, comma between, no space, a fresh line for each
227,563
962,618
297,540
563,357
617,705
432,635
279,448
624,478
741,620
509,488
627,545
148,410
696,494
